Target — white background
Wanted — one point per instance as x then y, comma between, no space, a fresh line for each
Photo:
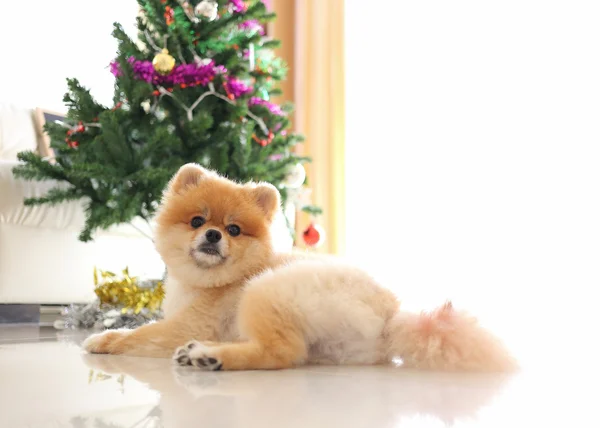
473,159
46,41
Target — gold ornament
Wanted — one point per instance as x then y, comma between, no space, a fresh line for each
163,63
126,293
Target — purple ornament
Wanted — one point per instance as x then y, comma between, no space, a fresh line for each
220,69
115,68
143,70
184,74
273,108
237,88
238,6
252,25
192,74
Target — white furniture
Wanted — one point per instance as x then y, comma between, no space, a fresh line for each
41,259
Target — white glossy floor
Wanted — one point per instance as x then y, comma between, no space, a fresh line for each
46,381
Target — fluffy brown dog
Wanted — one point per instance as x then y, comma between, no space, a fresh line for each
233,304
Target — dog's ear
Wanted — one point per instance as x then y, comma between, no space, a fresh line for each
189,175
266,196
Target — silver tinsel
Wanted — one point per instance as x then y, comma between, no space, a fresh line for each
94,315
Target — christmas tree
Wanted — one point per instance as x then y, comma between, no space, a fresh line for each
195,87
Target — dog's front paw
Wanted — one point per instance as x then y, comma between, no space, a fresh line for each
198,355
105,342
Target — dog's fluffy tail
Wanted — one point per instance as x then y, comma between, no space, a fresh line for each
446,339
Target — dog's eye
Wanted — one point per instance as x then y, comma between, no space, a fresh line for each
234,230
197,222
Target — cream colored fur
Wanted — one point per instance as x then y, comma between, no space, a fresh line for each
252,309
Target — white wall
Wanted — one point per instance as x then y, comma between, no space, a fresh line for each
46,41
473,158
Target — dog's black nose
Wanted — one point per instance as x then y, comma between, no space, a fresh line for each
213,236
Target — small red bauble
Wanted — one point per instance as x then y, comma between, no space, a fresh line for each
313,235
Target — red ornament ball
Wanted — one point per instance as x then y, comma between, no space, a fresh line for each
313,235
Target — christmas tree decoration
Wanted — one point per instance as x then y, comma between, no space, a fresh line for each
71,143
273,108
313,235
146,105
169,15
295,177
252,26
207,9
73,131
127,292
95,315
235,88
200,73
163,63
238,6
197,101
122,302
263,141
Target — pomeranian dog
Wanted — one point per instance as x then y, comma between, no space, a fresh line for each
233,303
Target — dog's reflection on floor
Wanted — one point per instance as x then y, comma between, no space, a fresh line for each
323,396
